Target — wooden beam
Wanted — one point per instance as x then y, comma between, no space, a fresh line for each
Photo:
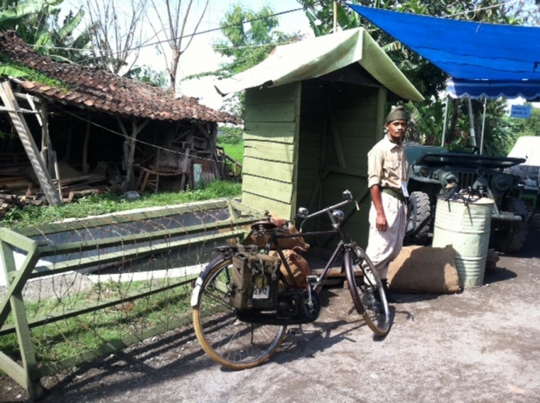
26,97
44,110
135,130
27,140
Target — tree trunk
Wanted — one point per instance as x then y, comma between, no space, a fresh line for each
453,122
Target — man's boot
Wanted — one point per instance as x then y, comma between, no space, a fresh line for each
370,301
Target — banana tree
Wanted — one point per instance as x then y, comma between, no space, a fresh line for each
12,14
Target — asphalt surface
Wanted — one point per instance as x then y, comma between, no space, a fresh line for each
481,345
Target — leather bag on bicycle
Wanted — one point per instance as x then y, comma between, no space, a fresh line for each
255,281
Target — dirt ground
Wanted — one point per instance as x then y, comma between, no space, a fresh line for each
481,345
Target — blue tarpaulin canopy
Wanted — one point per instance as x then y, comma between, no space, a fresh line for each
484,60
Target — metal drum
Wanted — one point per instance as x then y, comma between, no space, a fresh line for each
466,226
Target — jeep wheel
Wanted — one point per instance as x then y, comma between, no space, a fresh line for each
512,238
419,215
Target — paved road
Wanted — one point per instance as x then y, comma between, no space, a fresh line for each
478,346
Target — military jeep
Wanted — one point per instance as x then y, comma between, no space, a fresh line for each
435,170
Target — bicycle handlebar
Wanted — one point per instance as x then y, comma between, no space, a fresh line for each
328,210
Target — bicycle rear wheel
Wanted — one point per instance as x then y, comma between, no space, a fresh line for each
357,260
227,340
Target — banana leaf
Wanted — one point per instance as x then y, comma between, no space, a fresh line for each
11,71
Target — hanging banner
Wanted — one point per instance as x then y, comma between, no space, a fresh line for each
520,111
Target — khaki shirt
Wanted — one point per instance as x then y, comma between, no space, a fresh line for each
387,165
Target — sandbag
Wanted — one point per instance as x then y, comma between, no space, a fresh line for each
299,267
424,270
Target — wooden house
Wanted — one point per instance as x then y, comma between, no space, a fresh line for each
313,111
101,126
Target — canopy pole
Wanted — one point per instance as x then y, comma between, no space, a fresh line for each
445,124
483,127
471,123
335,16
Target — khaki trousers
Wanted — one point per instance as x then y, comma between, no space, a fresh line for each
384,246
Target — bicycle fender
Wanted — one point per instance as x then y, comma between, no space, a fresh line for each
196,292
202,276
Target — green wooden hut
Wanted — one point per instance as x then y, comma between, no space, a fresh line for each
313,111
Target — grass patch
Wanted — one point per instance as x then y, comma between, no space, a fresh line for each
235,151
70,336
111,202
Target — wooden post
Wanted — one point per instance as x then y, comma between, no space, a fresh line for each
57,172
185,172
85,147
26,375
29,144
210,137
127,184
44,137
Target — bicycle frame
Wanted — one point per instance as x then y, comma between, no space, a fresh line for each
342,246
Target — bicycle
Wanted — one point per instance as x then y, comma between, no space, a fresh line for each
241,333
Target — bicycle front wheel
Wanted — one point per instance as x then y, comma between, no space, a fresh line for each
227,340
357,260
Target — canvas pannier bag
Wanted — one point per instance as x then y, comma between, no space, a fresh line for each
255,281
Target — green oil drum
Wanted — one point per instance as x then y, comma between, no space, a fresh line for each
466,226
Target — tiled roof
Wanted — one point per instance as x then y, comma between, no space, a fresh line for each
95,89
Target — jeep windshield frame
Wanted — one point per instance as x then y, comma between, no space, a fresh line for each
470,160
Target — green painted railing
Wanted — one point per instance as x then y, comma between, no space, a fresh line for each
37,243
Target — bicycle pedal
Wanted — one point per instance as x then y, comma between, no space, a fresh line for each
295,331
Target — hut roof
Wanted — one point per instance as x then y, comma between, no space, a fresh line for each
98,90
316,57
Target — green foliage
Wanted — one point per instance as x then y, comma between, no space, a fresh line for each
230,135
58,40
37,23
12,71
426,122
8,66
148,75
246,45
235,151
527,127
13,12
111,202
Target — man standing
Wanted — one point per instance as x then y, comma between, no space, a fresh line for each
387,182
